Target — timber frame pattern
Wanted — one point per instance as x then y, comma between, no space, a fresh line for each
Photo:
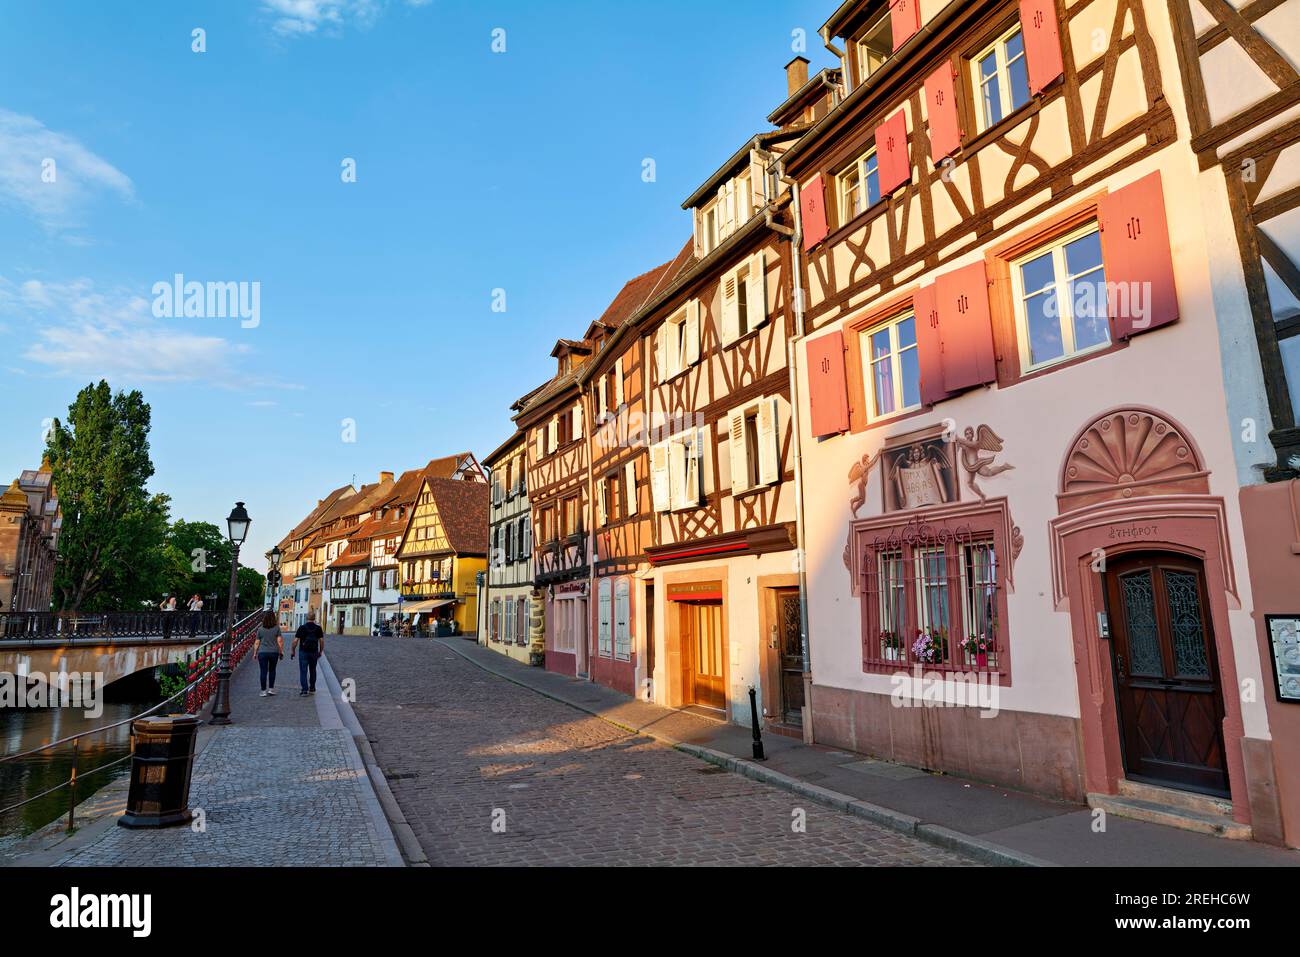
1247,168
1003,177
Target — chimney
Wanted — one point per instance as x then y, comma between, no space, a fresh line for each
385,478
796,75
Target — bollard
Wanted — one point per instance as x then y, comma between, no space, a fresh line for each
753,721
161,762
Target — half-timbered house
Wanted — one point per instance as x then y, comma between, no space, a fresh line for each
510,599
719,437
613,391
553,422
1242,93
1021,491
442,550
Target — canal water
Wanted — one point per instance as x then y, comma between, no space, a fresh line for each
22,729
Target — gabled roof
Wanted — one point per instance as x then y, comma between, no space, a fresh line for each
350,559
463,511
509,445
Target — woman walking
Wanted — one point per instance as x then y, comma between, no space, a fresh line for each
270,650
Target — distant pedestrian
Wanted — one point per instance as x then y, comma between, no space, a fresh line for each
195,605
168,608
270,652
310,640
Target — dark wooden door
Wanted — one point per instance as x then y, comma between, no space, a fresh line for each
1167,673
705,654
790,649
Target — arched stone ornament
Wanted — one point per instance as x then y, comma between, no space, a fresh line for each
1129,453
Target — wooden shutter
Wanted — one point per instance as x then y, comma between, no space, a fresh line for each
812,210
541,444
692,332
618,384
904,19
695,484
1042,42
758,163
677,473
1139,265
929,345
660,486
602,512
769,437
941,110
893,165
601,403
661,369
629,488
756,293
828,394
577,420
553,436
730,307
965,327
605,615
738,453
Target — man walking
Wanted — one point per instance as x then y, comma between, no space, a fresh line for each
310,640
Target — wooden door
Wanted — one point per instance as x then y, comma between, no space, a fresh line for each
790,652
1167,674
704,654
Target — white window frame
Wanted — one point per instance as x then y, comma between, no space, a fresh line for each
765,409
753,287
685,459
1064,302
709,231
862,71
896,366
999,48
864,174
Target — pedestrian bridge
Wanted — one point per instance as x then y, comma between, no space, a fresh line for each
114,644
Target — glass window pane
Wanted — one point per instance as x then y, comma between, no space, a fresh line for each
882,375
1088,296
1015,46
873,187
1044,327
1290,348
1083,254
909,371
1037,274
907,333
992,101
1018,74
879,344
988,66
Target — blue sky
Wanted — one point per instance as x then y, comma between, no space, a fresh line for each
475,171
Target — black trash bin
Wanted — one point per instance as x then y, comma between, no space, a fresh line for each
160,771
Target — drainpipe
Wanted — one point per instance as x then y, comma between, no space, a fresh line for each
801,552
592,606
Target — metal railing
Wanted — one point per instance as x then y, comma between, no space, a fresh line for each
200,671
81,626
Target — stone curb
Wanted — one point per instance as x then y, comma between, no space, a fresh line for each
406,848
983,851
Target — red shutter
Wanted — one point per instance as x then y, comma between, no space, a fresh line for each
828,391
965,327
891,153
929,345
941,108
905,19
1042,42
812,205
1139,267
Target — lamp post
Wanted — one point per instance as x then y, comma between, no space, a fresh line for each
237,528
273,579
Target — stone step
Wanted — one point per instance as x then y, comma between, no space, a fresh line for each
1173,797
1171,816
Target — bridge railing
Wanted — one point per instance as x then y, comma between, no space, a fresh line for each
97,626
200,669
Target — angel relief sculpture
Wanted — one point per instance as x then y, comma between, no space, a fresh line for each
919,476
974,444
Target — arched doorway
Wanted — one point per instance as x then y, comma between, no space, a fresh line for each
1168,690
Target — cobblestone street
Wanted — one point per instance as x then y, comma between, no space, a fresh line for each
490,773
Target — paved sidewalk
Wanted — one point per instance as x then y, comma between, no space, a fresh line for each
967,815
284,785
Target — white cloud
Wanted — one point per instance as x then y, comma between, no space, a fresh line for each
30,153
79,330
304,17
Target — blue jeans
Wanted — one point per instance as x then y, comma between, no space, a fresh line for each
307,669
266,662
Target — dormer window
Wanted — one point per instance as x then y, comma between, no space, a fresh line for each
709,228
873,47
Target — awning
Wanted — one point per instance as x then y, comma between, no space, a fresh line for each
420,607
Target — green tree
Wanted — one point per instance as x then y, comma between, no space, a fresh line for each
252,588
199,560
111,549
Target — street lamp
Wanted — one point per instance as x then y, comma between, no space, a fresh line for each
273,577
237,528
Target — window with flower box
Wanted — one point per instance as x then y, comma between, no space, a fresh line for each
933,594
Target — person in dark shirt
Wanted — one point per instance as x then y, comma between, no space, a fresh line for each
310,640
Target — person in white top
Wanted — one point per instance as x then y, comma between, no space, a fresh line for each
195,605
167,607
